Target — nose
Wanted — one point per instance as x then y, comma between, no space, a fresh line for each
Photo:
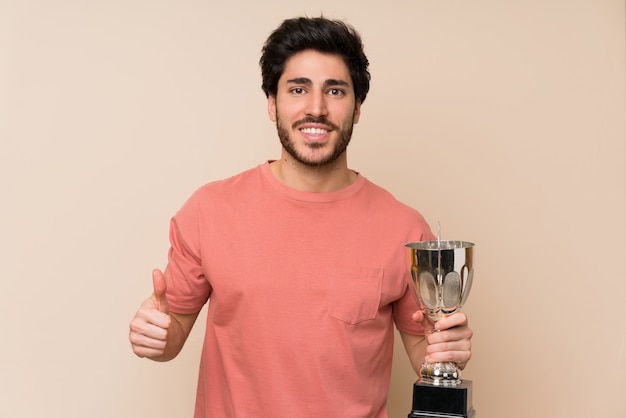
316,105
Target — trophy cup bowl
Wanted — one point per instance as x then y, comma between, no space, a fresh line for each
442,273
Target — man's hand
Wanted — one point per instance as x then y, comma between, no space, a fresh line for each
449,341
150,326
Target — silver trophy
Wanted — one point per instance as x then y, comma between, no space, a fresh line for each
442,273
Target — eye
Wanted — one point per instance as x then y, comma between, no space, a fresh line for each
297,90
336,92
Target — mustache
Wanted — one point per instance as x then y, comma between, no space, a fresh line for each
314,119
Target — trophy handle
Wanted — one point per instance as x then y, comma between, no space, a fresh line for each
467,277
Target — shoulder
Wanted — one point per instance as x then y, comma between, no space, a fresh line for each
385,200
219,195
247,178
397,214
225,188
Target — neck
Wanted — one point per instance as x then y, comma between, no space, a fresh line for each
314,179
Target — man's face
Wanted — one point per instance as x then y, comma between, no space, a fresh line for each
314,108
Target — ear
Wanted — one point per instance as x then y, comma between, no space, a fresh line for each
357,112
271,107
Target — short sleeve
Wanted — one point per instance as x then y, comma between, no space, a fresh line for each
187,286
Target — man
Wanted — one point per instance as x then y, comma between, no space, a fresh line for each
302,259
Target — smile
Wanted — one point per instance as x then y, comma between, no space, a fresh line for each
314,131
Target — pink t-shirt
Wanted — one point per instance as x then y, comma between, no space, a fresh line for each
304,289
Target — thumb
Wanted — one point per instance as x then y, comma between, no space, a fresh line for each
421,318
160,287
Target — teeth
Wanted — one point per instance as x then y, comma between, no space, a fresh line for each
314,131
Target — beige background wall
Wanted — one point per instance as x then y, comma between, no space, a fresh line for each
503,120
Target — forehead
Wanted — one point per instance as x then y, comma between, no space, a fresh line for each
316,66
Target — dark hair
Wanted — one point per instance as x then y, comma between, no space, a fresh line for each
320,34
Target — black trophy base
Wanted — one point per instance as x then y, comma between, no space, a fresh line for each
430,401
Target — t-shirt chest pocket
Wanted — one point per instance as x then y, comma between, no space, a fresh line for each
354,296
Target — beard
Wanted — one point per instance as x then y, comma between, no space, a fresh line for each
345,134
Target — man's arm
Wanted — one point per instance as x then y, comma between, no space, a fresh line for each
155,332
414,346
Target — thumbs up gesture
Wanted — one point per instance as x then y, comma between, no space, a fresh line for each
159,288
150,326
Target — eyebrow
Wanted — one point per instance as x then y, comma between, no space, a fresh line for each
308,82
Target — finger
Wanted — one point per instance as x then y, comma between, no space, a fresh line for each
457,319
438,344
423,319
160,287
461,334
148,332
147,317
418,316
148,335
146,347
460,358
445,346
